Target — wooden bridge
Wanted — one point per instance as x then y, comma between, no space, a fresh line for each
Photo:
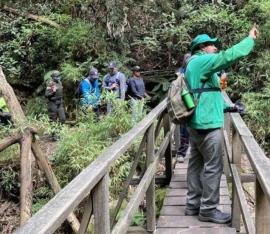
91,187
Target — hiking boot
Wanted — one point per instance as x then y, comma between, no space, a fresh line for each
215,216
192,212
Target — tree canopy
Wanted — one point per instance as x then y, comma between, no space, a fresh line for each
73,35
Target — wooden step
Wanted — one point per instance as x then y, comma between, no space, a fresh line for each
180,210
220,230
183,184
181,200
184,222
183,192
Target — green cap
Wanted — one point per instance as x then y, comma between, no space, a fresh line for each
203,38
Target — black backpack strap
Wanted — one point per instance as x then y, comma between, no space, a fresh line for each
211,89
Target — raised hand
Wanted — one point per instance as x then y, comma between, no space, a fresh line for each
254,32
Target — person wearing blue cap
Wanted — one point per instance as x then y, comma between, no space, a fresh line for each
115,81
89,91
205,164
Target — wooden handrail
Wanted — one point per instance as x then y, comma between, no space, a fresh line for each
92,182
53,214
242,139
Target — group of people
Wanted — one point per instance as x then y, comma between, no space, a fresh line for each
204,129
89,91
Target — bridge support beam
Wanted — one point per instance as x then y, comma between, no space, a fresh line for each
168,152
150,193
101,206
236,159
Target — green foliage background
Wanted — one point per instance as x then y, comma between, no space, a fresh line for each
153,34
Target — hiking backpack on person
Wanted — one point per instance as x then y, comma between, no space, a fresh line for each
178,110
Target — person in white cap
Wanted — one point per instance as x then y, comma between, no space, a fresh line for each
115,81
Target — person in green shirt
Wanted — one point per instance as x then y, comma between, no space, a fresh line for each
205,164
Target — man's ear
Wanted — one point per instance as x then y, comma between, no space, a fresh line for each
202,46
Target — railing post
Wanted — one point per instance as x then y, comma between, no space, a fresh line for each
176,137
150,193
262,211
168,152
236,159
88,209
101,206
26,177
227,157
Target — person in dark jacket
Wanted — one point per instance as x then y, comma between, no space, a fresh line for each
205,127
54,94
137,93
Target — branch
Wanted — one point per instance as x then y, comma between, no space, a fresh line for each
42,19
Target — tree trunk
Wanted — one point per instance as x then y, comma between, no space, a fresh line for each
13,104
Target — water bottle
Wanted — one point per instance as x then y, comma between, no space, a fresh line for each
188,100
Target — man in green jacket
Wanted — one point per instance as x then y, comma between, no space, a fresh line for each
205,164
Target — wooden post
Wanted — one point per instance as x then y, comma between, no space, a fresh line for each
150,193
236,159
262,211
26,177
101,206
88,210
177,138
168,152
46,167
227,158
10,140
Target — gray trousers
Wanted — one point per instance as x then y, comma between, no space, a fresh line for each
204,169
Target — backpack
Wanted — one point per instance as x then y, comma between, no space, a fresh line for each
177,109
128,90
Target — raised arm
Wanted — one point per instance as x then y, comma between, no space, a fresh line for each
227,57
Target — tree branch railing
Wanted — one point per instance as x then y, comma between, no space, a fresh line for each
238,138
92,184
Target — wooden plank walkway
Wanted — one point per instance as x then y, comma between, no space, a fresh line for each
172,219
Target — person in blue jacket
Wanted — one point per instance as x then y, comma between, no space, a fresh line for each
89,91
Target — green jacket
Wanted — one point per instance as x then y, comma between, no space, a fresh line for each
209,112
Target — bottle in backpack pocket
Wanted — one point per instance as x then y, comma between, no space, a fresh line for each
188,100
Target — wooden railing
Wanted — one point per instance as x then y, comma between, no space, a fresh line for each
92,183
239,143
